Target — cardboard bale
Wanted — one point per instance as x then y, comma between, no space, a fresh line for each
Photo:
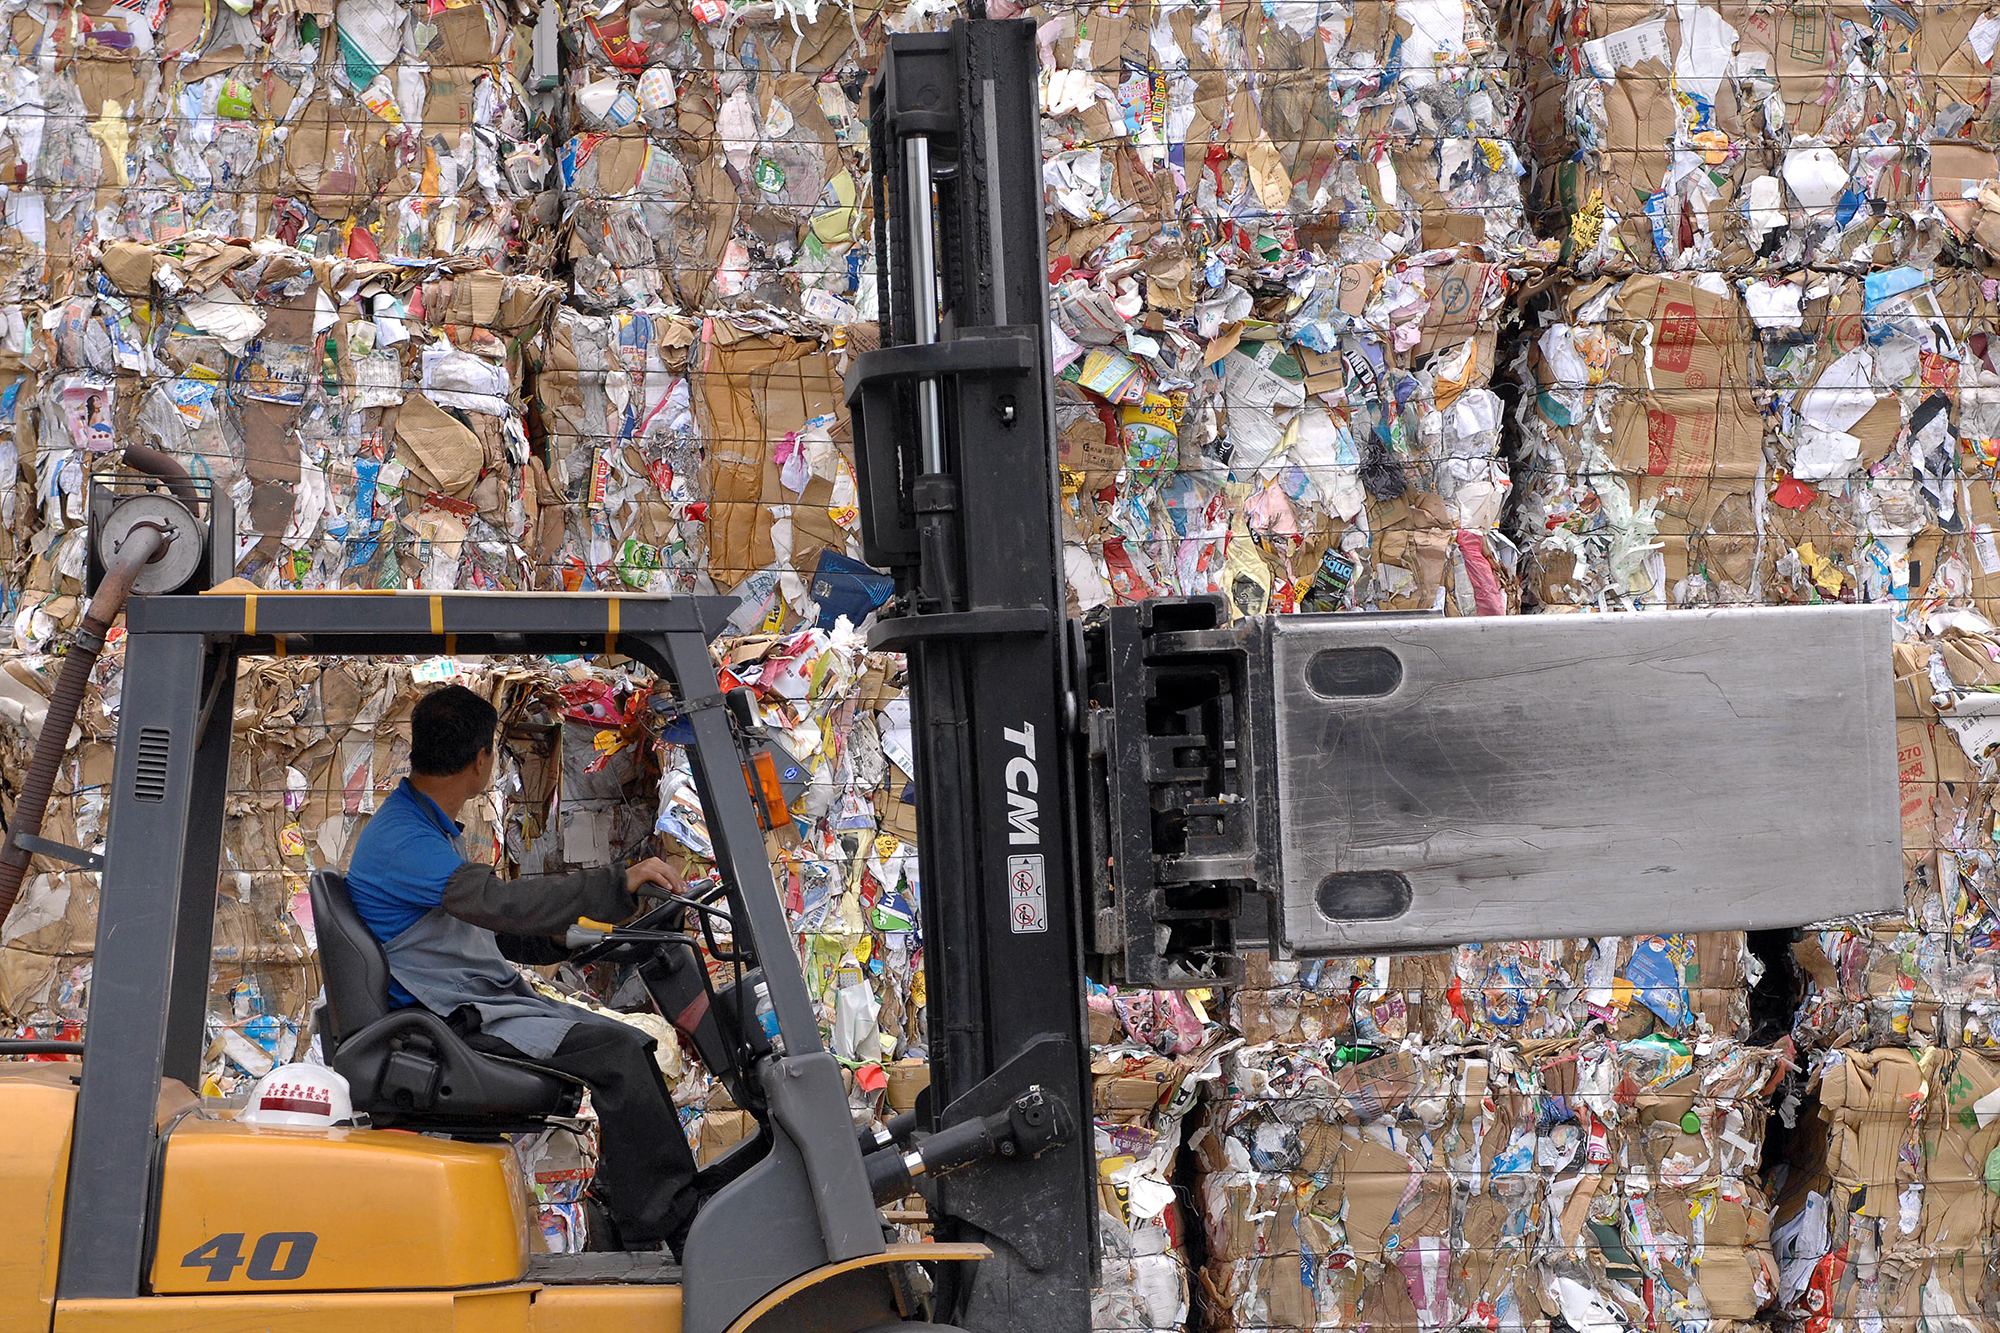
1139,1098
363,418
1418,1183
721,1131
1887,1210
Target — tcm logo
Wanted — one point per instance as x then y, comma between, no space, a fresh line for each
1024,781
1027,881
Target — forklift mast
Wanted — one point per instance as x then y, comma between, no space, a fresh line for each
955,456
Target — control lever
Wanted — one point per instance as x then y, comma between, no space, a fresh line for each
584,937
1031,1125
896,1130
661,894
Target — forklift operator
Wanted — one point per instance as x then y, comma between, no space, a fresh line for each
449,925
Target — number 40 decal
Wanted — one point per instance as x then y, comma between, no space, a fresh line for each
278,1256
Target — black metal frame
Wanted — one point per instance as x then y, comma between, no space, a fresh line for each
959,498
807,1203
1175,805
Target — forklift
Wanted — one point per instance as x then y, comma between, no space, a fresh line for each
1144,795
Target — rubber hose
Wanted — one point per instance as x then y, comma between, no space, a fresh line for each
67,700
144,458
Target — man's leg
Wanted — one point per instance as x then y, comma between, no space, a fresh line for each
645,1171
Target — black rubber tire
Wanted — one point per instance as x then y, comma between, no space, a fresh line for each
913,1328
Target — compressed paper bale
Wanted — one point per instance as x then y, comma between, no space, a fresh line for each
1138,1100
1146,1291
742,471
696,191
1298,1188
1732,138
282,155
1890,983
365,423
1924,1227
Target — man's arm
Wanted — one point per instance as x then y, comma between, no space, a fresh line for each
548,905
544,905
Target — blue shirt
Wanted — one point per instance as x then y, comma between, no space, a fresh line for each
401,863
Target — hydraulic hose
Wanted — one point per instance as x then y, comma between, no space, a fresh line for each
139,549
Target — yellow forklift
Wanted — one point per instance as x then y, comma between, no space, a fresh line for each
1157,789
132,1210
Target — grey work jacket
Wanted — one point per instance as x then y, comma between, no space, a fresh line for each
448,964
451,957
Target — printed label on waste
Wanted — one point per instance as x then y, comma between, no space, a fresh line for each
1659,443
1678,331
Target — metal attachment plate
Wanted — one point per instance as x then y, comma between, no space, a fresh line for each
1446,780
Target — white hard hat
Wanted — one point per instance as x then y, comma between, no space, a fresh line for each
310,1095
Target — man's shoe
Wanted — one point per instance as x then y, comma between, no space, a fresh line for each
600,1233
677,1238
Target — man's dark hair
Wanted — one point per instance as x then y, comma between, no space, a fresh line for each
448,729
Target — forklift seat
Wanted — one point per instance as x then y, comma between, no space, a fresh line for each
406,1067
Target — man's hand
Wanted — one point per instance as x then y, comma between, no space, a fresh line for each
655,872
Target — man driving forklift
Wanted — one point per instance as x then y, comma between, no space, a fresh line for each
449,925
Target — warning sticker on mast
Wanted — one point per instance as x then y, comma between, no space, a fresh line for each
1027,895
